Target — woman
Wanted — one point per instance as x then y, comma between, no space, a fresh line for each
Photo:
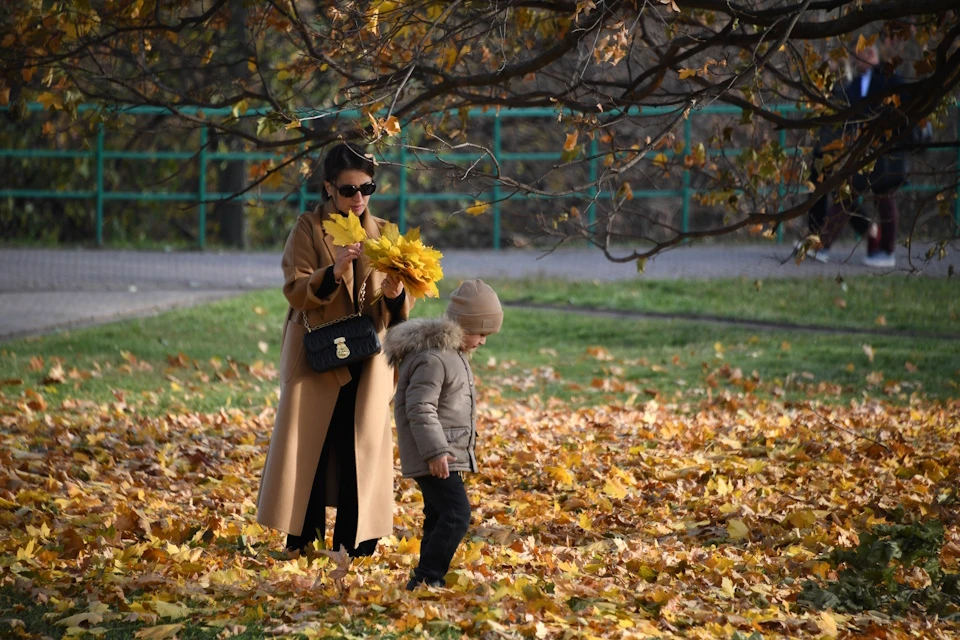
331,443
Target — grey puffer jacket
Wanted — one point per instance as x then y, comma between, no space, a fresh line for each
435,403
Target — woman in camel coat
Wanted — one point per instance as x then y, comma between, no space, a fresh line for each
331,443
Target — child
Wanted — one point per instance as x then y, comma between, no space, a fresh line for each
436,413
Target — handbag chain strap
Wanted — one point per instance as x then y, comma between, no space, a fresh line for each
363,291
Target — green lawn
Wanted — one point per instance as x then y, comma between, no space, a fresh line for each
226,354
871,302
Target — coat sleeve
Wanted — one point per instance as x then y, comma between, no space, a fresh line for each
397,310
305,266
422,396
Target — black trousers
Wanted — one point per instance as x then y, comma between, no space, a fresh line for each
447,517
340,440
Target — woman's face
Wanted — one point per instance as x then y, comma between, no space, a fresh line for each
355,204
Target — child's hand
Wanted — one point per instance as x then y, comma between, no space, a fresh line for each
440,467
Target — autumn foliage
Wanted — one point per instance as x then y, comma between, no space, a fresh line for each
689,519
619,82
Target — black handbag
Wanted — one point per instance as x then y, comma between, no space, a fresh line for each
341,342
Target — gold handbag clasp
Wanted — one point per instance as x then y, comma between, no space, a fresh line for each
343,351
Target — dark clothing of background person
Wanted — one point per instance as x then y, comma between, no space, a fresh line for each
888,174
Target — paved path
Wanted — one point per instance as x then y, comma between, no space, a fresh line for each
42,290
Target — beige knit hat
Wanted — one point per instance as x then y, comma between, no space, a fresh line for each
476,308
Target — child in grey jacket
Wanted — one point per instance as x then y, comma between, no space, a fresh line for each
436,414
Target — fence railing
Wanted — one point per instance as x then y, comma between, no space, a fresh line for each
98,154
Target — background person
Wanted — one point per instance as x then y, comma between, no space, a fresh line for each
866,92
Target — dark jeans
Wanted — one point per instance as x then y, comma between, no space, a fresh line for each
447,517
842,213
827,219
340,440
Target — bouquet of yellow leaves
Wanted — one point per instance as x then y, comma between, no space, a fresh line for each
416,264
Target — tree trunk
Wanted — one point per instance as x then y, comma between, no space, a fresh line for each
233,176
232,179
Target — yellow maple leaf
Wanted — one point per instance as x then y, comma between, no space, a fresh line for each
560,475
169,609
736,529
477,208
345,230
614,489
159,632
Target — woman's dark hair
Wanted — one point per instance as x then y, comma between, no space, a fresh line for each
344,157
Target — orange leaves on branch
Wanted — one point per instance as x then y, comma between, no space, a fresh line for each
380,126
865,41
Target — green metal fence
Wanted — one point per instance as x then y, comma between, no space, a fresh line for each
403,196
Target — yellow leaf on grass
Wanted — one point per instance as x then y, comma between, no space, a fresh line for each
345,230
726,586
560,474
828,624
736,529
614,489
802,519
170,610
159,632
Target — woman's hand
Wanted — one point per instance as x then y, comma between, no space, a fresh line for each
440,467
345,256
392,286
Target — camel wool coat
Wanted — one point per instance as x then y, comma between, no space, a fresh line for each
307,398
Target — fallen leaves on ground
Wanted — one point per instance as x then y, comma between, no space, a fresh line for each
693,520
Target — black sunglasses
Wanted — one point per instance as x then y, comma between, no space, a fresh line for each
349,190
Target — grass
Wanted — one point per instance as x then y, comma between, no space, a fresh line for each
893,301
17,611
225,354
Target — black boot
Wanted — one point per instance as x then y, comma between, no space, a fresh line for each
416,581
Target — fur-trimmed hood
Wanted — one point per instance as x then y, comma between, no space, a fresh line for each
421,334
